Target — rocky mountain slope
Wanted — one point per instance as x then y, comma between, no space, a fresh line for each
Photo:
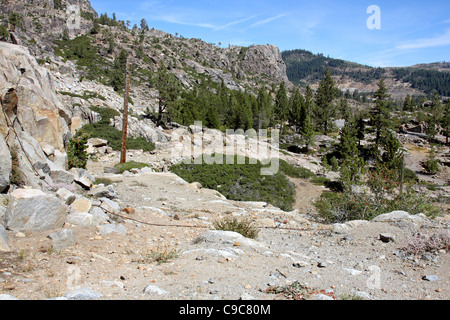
38,25
305,68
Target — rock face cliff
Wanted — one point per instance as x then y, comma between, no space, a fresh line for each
265,60
38,110
37,23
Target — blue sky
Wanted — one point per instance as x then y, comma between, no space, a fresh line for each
411,31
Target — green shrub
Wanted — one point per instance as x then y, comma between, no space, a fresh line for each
409,176
240,182
245,227
4,33
320,180
295,172
341,207
431,166
76,152
16,173
104,181
122,167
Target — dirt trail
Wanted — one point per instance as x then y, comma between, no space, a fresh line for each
124,266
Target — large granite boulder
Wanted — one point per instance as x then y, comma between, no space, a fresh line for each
33,210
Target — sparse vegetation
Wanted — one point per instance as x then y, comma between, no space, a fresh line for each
296,291
162,254
16,173
421,243
342,207
245,227
104,181
122,167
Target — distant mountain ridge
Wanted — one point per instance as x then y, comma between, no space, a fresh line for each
305,68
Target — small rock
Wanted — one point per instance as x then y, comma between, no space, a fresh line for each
348,237
63,239
105,192
430,278
82,177
82,219
112,228
66,196
246,296
196,185
387,237
81,205
322,264
128,210
7,297
97,143
362,294
319,296
300,264
83,294
352,272
152,289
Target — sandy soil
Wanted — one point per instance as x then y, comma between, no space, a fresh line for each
170,215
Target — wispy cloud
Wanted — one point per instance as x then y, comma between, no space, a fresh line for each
182,20
235,22
178,20
262,22
439,41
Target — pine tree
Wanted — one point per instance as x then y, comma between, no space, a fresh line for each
262,110
117,73
281,105
434,117
445,121
169,91
308,132
360,128
348,145
243,116
296,110
352,164
211,114
325,95
380,115
187,112
406,103
344,110
392,157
